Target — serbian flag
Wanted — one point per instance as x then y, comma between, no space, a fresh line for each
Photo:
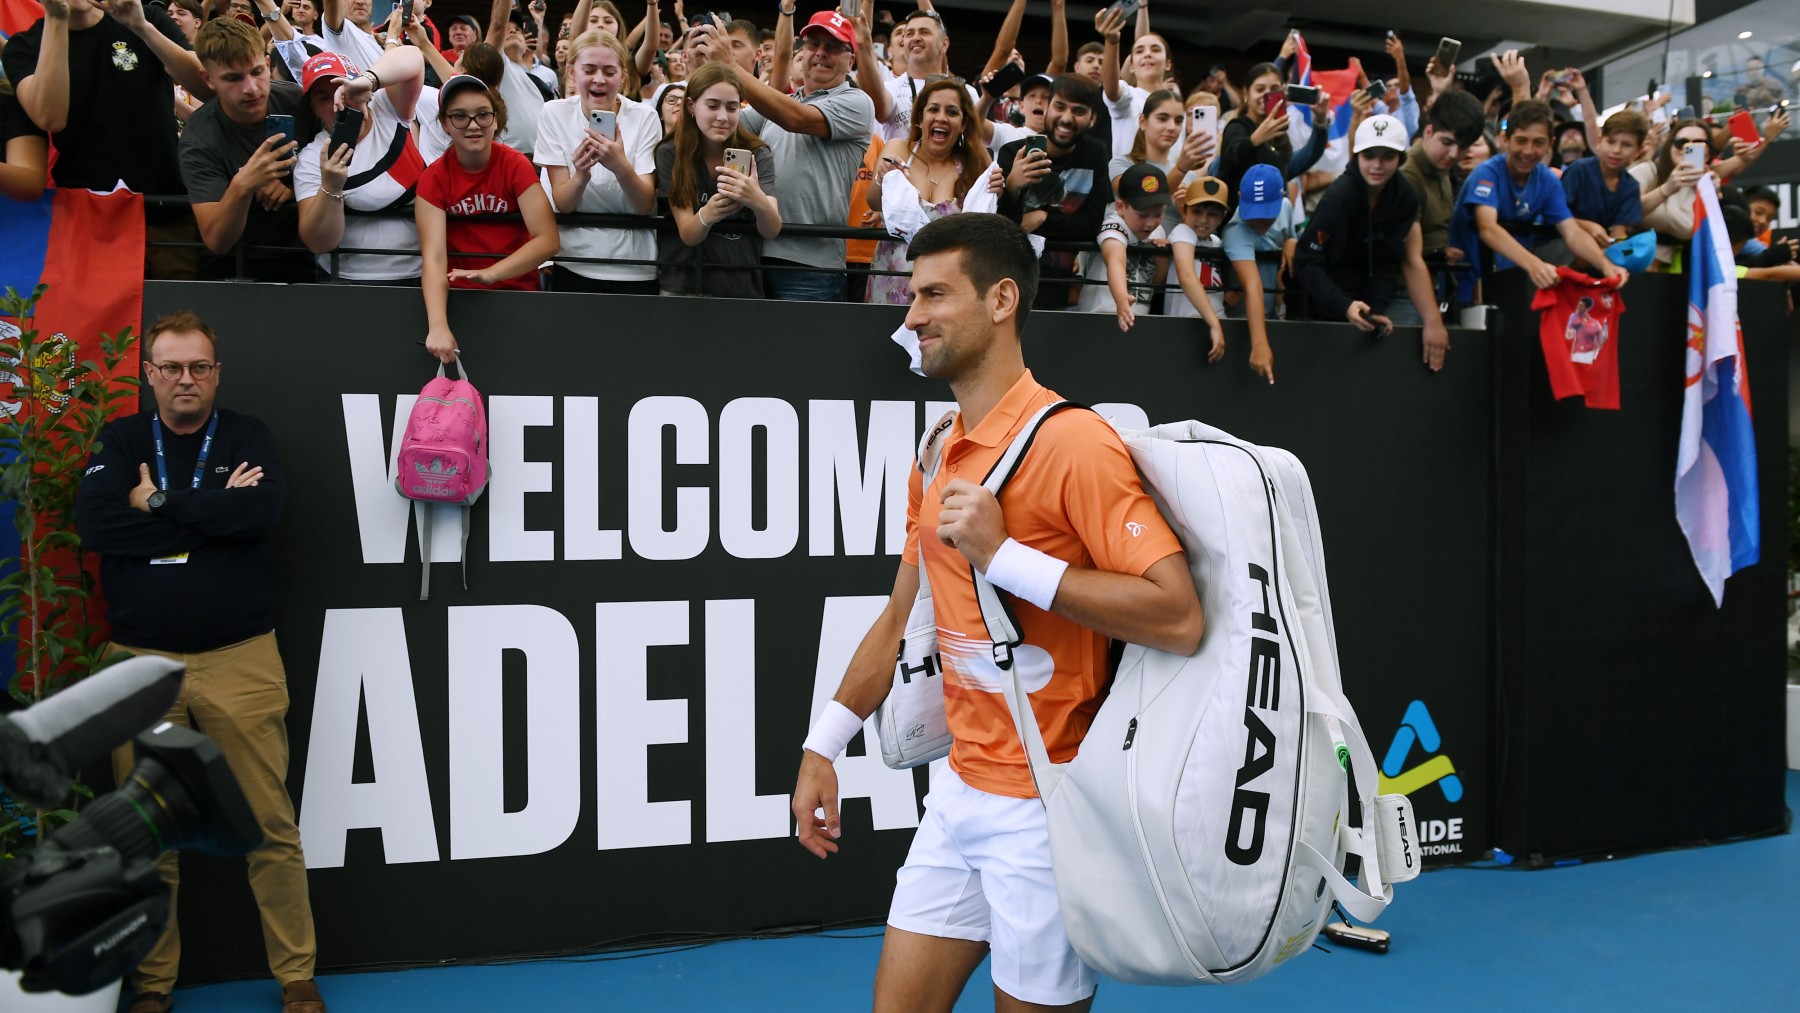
1340,85
1715,469
18,15
89,249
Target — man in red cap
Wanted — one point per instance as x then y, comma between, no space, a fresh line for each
818,137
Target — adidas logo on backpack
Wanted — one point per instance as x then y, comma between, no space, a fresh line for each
443,459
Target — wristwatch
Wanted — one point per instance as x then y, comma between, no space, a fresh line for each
156,500
785,9
271,16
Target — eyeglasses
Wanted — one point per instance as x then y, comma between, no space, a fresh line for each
173,370
831,46
460,119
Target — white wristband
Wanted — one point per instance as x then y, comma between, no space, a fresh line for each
836,726
1026,572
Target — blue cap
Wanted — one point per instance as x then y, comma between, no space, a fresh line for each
1261,193
1635,254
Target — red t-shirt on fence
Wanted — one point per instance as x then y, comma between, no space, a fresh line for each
1579,328
494,190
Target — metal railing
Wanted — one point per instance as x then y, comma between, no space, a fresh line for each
244,253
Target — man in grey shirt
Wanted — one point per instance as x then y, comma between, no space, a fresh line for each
819,140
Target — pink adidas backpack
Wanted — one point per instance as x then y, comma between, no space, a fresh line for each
443,459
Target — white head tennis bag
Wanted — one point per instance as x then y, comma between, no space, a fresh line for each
1199,835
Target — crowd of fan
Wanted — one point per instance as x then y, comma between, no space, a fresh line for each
311,126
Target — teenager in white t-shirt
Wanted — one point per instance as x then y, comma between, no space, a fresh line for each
339,192
595,174
1133,257
1149,66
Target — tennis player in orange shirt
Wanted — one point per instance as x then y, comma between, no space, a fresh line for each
1081,548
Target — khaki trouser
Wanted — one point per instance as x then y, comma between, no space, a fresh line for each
237,696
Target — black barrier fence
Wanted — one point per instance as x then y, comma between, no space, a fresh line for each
697,507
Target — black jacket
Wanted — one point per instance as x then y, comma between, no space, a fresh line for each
225,592
1074,198
1353,251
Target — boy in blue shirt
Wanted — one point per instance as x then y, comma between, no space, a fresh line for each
1516,187
1601,195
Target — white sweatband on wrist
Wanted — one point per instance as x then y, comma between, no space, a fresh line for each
836,726
1026,572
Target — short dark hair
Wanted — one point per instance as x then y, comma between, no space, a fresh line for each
1077,90
993,247
1530,113
1458,114
1761,193
1738,226
1090,47
180,321
747,29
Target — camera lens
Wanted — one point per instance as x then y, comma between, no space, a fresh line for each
151,812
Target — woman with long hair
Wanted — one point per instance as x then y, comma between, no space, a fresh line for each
1666,186
668,100
478,176
702,190
1258,134
938,163
601,172
1158,132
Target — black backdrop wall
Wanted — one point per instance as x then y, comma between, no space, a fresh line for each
697,507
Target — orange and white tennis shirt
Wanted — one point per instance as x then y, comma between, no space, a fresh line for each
1075,496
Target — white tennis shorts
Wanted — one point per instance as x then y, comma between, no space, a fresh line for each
979,869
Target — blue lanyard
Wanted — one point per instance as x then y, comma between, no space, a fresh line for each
162,468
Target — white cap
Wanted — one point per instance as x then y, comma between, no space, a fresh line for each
1381,131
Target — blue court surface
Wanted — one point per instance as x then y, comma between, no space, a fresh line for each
1704,928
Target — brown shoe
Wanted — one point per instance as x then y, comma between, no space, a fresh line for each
150,1002
301,997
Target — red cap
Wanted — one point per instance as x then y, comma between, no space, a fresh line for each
322,66
833,24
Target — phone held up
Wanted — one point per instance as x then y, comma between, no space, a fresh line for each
1125,7
1004,80
1036,142
1694,154
1447,52
741,160
852,9
348,128
278,123
606,123
1205,120
1302,95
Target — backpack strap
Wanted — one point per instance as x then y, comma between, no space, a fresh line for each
931,454
1003,624
422,514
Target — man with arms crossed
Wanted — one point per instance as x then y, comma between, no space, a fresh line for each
1086,556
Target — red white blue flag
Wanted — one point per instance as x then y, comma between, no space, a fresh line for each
1715,470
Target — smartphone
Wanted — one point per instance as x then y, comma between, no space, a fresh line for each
1271,102
696,20
1125,7
1303,94
1377,88
1036,142
1694,154
1004,80
1448,50
1204,120
347,129
852,9
605,123
741,160
279,124
1743,127
1686,113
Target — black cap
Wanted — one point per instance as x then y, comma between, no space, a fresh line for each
1144,186
464,19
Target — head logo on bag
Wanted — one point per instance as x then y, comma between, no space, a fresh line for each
1263,693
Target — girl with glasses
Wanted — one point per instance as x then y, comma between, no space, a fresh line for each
477,177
